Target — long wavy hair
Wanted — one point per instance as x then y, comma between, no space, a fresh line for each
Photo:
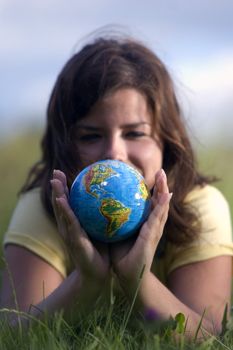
102,67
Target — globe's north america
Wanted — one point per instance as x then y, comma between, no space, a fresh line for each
110,199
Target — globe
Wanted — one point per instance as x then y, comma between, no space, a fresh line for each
111,200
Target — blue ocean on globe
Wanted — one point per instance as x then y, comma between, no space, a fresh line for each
110,199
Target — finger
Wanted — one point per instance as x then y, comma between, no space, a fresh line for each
60,178
58,213
68,227
74,234
159,211
164,216
54,196
59,175
57,192
161,182
152,229
160,186
58,188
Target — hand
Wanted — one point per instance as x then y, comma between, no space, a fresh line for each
92,262
130,257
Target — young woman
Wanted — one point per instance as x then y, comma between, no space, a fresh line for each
115,100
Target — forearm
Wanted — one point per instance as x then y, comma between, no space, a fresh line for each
73,297
75,292
156,301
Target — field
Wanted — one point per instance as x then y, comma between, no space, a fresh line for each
112,331
16,157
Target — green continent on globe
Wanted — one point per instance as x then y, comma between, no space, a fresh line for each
116,214
95,176
145,194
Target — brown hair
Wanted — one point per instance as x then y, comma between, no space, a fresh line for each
101,67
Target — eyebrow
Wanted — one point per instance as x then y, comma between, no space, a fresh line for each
95,128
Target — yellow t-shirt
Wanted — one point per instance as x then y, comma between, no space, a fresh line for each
33,229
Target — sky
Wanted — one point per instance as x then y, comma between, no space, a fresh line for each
194,39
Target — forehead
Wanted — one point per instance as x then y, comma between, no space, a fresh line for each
123,105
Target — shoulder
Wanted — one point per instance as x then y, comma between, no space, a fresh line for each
207,194
215,235
31,197
213,213
32,228
208,202
28,211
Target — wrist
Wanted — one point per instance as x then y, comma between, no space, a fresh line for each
89,283
86,293
134,286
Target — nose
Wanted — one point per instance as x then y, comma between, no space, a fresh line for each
116,149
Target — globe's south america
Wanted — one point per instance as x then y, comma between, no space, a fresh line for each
111,200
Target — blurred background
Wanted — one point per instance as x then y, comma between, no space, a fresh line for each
194,38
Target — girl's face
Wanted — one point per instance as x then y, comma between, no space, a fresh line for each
120,127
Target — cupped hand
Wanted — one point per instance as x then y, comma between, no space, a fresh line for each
132,257
91,261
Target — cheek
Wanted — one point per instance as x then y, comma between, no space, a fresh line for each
152,156
87,156
152,162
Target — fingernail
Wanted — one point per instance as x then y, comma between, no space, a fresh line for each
162,176
162,173
170,195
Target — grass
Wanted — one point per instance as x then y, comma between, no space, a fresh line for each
114,327
103,329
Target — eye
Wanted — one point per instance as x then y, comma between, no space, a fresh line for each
135,134
89,137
